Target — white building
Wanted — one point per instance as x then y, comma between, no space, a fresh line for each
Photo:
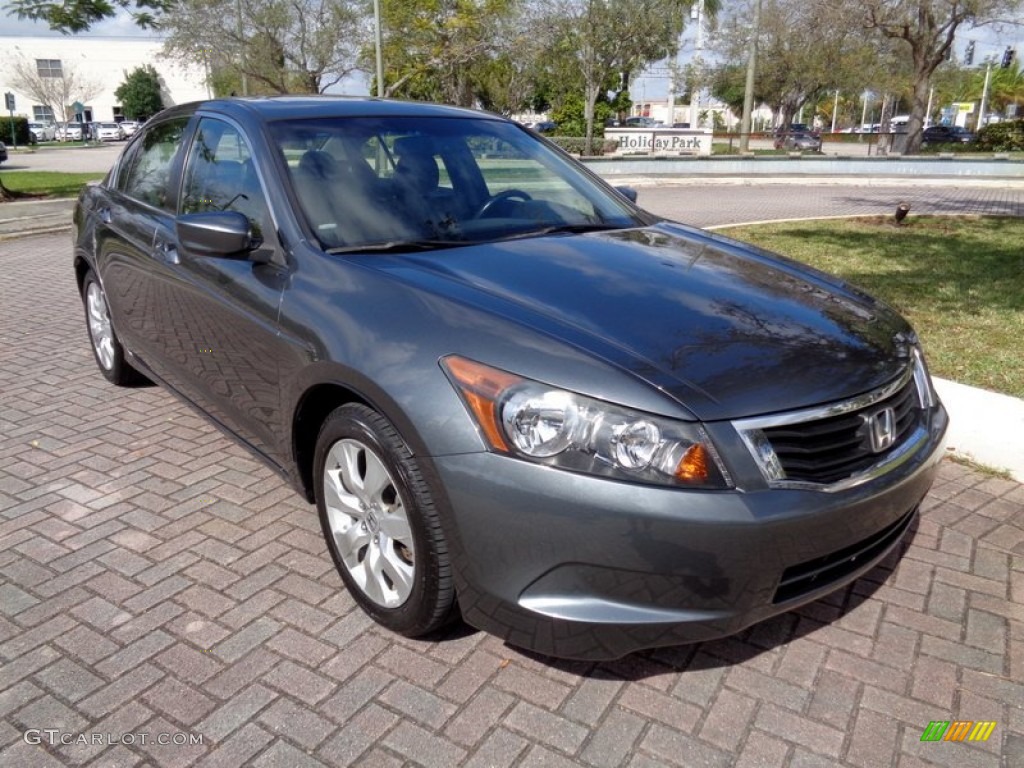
99,62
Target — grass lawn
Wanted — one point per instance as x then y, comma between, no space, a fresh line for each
960,281
47,183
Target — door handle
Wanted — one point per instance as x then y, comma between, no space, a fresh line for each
165,251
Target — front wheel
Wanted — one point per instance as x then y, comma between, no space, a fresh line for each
381,524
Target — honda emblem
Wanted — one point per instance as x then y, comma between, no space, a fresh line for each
882,429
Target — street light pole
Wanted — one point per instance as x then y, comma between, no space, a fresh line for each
748,93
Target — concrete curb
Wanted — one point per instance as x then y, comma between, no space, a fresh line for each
985,427
823,181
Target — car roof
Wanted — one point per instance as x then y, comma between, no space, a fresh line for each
268,108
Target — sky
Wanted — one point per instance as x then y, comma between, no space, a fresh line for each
120,26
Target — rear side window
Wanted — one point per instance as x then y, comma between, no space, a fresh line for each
147,177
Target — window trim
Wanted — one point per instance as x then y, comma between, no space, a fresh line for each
272,238
127,162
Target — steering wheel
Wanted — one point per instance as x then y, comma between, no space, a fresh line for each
505,194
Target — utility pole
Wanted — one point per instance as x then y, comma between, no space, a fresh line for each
241,38
984,97
379,45
835,111
863,115
697,67
748,93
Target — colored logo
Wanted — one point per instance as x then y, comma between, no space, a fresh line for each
958,730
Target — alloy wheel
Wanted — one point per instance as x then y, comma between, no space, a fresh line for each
369,522
100,330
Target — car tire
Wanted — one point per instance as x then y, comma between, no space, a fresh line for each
381,523
106,348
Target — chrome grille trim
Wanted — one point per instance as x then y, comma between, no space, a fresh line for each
751,431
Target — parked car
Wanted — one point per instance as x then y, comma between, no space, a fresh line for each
3,152
544,126
511,393
109,132
69,132
799,141
948,134
642,122
43,131
129,127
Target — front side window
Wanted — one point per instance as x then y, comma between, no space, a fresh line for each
147,174
49,68
366,182
220,175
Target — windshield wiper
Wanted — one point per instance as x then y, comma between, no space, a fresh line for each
557,229
399,246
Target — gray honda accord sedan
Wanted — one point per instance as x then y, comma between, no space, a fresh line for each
512,394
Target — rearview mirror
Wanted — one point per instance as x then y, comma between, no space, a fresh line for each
216,233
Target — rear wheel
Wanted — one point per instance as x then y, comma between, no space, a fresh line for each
380,522
106,347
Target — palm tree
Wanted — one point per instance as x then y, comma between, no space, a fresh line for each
1005,87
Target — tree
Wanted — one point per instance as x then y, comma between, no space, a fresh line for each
925,31
139,94
56,89
78,15
441,50
283,46
804,51
607,38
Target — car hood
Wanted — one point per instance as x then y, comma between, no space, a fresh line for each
727,330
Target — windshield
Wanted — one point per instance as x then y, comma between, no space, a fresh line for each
385,182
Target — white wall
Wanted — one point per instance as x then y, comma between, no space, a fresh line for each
104,61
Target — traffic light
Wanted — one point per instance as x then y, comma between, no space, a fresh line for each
969,54
1008,56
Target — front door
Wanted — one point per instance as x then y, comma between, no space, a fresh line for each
226,308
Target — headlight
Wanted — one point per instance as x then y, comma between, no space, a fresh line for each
552,426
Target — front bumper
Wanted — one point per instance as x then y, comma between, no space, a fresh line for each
580,567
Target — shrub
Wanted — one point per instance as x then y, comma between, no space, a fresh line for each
1002,137
21,131
576,144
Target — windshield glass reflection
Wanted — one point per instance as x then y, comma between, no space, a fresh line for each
415,183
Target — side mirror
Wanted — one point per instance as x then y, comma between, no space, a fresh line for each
216,233
627,192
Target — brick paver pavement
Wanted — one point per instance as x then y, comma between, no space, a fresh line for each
157,580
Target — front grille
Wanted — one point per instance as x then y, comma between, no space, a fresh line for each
834,448
800,579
